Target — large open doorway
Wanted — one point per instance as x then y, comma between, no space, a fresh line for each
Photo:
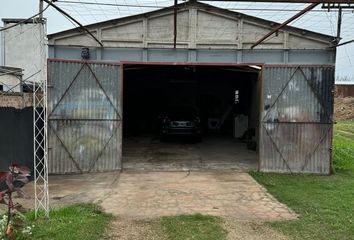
225,102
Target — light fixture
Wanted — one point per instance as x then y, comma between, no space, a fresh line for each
85,53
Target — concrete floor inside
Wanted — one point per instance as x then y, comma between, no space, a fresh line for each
213,153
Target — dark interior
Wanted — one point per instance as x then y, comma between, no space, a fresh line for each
150,89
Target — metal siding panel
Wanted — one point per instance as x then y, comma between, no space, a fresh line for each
310,56
91,145
268,56
296,122
84,117
265,56
128,54
59,160
72,53
298,94
295,147
107,76
51,52
217,56
164,55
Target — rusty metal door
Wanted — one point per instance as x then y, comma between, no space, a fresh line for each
84,116
296,119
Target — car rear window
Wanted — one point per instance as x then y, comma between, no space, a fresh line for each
182,112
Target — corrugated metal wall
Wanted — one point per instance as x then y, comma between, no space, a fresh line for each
296,125
345,90
85,112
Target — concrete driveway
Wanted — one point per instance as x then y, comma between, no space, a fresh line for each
229,194
146,194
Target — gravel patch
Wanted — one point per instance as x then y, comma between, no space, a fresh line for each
131,229
251,230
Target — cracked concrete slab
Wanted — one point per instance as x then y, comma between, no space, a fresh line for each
222,193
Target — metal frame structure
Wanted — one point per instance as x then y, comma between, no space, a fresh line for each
40,150
40,143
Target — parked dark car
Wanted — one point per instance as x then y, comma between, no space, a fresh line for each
180,121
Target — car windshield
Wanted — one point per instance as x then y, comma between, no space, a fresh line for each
178,112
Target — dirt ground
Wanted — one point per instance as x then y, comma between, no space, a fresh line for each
343,108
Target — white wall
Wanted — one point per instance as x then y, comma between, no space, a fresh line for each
1,49
9,81
25,48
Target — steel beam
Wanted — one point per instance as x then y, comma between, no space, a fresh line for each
344,43
285,1
73,19
308,8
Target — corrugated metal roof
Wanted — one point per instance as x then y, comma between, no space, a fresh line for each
23,20
11,70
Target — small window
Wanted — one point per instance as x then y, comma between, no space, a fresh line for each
1,87
8,88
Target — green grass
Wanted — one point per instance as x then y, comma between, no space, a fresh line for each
343,146
82,222
196,227
86,221
325,203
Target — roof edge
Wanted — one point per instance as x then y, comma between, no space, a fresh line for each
23,20
205,7
11,70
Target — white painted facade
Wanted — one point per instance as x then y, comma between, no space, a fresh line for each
1,49
25,46
10,83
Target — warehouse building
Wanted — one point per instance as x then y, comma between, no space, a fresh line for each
106,96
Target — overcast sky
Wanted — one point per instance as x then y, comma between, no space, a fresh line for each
320,21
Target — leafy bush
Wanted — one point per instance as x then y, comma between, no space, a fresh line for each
11,182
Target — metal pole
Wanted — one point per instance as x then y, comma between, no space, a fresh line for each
40,9
344,43
313,5
339,24
175,25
